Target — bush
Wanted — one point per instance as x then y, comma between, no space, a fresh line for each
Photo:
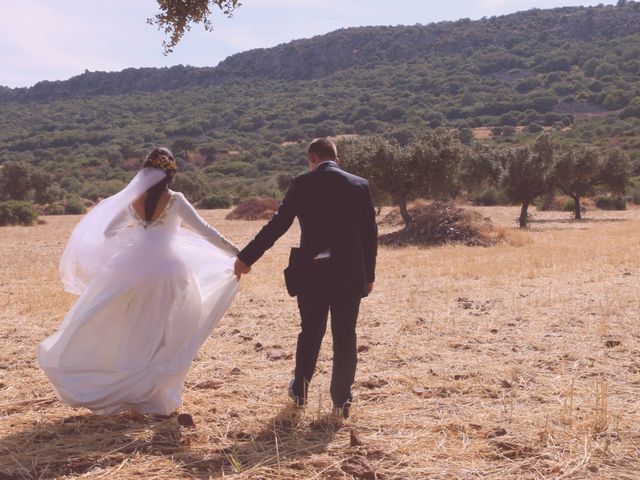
489,197
54,209
569,205
213,202
633,194
73,205
508,131
535,128
605,202
15,212
192,185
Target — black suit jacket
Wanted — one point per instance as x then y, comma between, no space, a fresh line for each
336,213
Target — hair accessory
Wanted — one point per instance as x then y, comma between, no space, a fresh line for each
162,162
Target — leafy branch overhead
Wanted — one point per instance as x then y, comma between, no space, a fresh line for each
177,16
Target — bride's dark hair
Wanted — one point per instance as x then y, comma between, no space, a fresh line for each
162,159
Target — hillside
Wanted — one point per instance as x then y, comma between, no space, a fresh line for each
575,70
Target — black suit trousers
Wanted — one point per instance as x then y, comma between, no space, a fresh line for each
315,307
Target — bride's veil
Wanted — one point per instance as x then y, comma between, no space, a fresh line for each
83,256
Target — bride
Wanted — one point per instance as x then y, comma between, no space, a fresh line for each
150,292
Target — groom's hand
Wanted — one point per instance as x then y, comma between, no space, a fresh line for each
370,287
240,268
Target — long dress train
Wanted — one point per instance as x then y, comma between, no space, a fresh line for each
129,340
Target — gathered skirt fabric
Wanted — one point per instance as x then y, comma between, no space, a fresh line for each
129,340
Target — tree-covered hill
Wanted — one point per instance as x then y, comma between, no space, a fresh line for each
573,70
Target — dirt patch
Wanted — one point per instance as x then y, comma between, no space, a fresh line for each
440,223
255,209
481,133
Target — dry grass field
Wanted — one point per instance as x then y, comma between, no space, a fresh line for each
515,361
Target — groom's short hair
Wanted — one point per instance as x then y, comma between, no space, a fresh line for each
324,148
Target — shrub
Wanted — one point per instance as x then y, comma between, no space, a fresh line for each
192,185
535,128
213,202
606,202
16,212
54,209
508,131
569,205
51,194
73,205
635,197
633,193
489,197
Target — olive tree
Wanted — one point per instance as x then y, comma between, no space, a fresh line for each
18,180
481,165
579,170
576,172
527,173
176,16
377,160
429,167
437,157
616,171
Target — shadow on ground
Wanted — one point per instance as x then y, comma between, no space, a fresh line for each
81,443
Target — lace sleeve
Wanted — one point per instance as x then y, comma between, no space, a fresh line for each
195,222
119,223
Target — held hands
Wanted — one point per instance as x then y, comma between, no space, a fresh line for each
240,268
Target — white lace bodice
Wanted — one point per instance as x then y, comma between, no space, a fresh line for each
177,212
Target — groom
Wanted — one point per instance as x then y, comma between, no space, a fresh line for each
331,271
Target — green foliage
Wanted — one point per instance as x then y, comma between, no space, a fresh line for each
429,167
73,205
176,16
535,128
102,188
15,212
481,165
607,202
212,202
192,185
570,205
18,179
527,173
578,171
283,182
50,194
55,209
633,192
574,69
490,197
616,172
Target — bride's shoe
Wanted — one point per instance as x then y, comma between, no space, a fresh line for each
186,420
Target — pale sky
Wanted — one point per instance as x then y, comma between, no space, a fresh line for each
57,39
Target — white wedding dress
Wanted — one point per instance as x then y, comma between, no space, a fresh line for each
146,307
